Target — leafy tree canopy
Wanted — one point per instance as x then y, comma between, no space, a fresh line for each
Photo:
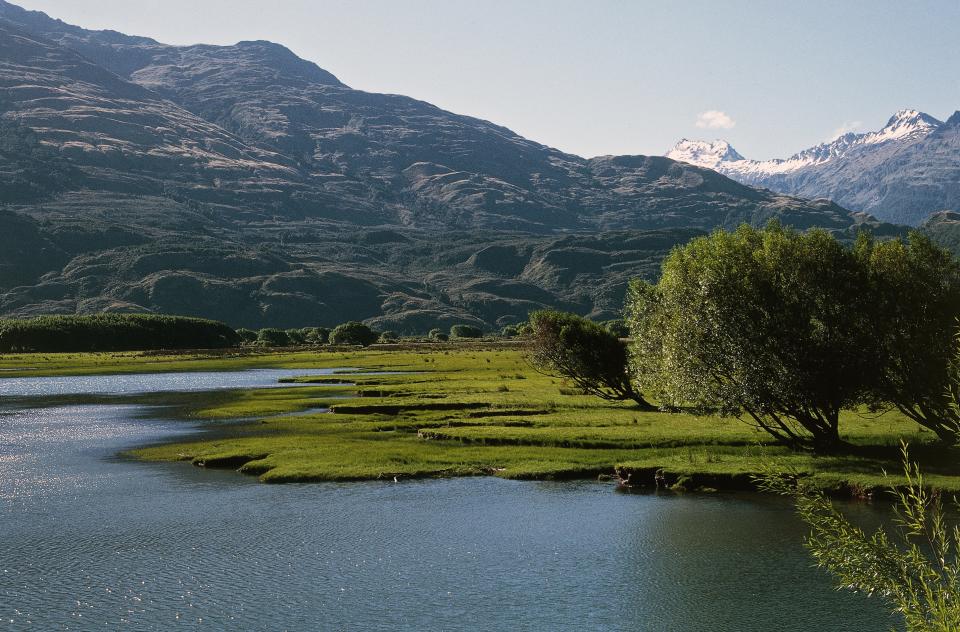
772,324
316,335
272,337
582,351
788,329
353,333
915,303
465,331
114,332
247,335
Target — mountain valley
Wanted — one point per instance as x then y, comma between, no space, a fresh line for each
246,184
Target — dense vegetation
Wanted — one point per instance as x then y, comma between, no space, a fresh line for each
593,358
114,332
353,333
788,329
133,332
465,331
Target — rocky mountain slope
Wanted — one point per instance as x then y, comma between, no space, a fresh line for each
901,173
243,183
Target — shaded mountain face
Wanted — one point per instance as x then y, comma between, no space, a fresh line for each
238,182
901,173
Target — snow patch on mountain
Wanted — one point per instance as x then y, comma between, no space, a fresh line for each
905,126
703,153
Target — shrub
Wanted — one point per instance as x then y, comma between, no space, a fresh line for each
465,331
353,333
388,336
295,336
270,337
510,331
247,335
316,335
438,335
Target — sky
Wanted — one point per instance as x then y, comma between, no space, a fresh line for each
602,77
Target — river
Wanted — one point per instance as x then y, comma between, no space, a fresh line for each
91,541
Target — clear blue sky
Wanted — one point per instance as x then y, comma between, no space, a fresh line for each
602,77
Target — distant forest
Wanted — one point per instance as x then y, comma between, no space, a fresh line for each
114,332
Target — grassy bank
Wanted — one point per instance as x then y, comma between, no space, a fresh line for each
233,359
478,411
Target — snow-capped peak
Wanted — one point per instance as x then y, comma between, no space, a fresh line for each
912,117
904,126
704,153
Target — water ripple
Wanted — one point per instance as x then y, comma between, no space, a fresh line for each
91,542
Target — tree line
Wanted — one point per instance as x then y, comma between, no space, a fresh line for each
142,332
783,329
351,333
113,332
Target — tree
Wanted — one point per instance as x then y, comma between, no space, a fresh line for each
270,337
465,331
570,346
295,336
509,331
114,332
353,333
618,327
772,325
438,335
917,569
915,289
316,335
247,335
388,336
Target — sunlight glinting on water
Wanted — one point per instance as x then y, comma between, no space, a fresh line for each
93,542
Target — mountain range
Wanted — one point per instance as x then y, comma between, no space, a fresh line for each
246,184
901,173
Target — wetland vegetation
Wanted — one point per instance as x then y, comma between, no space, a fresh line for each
475,409
114,332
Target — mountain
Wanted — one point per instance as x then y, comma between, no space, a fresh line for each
244,183
901,173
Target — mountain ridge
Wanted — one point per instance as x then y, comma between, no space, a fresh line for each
244,183
874,172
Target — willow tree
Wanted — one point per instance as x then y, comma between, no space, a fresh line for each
914,567
572,347
915,293
769,325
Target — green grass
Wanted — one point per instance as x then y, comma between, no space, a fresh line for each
475,411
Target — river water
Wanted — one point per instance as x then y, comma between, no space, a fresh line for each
93,542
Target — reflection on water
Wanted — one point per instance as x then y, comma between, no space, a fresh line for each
93,542
153,382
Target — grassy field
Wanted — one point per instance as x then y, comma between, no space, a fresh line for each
458,411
